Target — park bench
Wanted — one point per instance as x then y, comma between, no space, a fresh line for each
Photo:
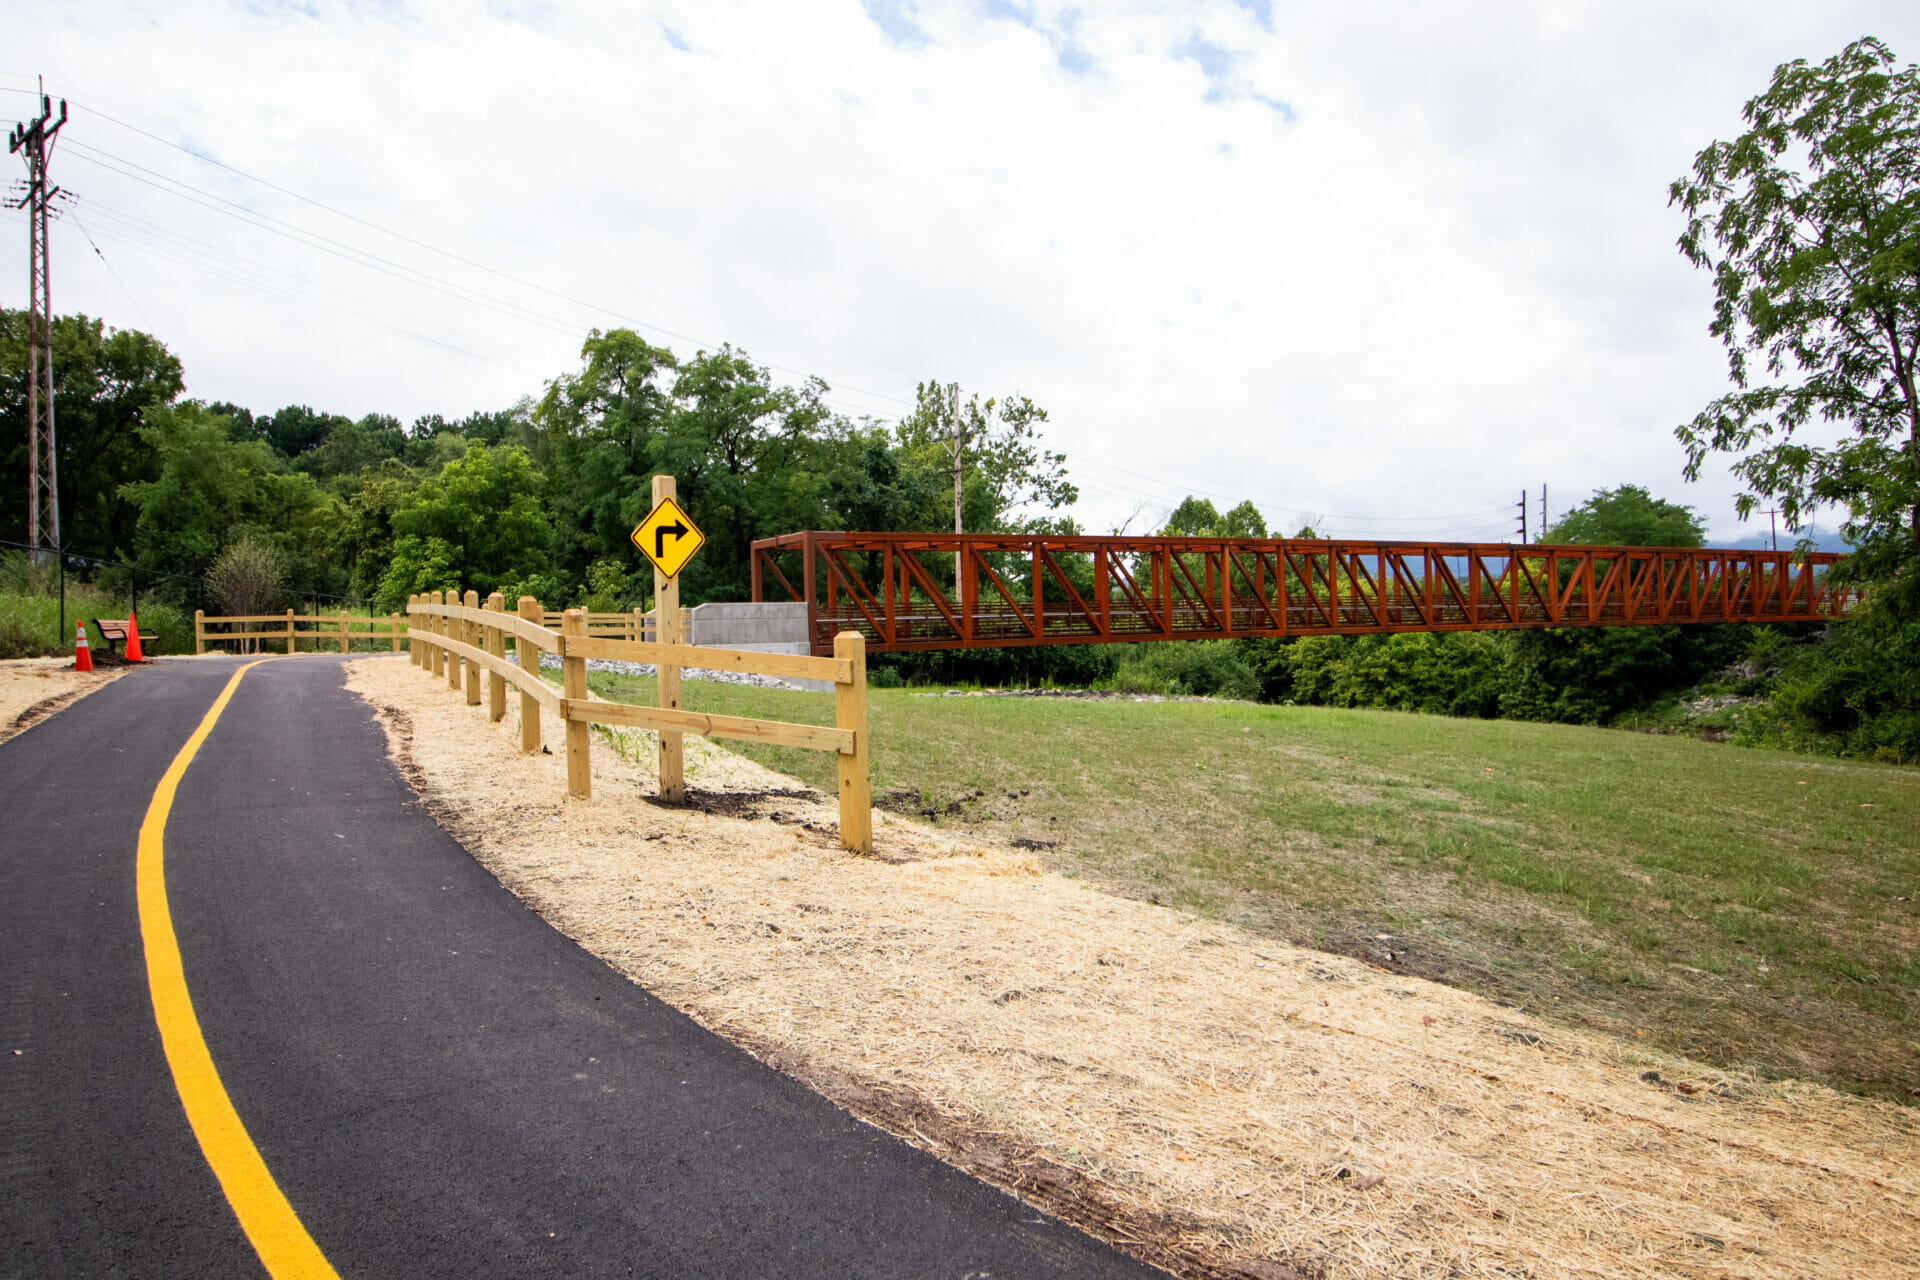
114,632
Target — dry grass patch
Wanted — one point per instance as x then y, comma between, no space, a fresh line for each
1205,1096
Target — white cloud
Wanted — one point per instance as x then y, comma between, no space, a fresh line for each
1373,260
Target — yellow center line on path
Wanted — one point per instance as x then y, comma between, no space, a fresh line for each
283,1244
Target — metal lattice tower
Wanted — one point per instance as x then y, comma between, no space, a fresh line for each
32,141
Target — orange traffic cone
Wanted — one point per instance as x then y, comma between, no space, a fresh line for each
133,639
82,656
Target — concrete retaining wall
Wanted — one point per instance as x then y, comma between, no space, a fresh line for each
760,627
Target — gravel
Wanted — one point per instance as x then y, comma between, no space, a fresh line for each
551,661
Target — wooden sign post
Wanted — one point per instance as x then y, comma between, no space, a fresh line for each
667,625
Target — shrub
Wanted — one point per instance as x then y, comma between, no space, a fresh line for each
1858,680
249,577
608,588
1201,668
550,589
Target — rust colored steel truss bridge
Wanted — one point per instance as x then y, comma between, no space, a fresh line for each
953,591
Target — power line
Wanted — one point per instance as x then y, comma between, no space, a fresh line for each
1307,512
508,308
75,219
242,270
224,263
244,280
373,261
325,244
205,158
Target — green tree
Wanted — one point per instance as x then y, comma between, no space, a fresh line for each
1589,675
212,490
596,435
1810,224
249,577
1628,516
362,531
1199,518
993,447
297,428
752,459
106,383
350,447
478,524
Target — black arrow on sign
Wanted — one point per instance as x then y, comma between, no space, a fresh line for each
660,537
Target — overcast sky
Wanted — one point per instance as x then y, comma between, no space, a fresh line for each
1376,266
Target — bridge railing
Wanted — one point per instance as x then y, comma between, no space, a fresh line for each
464,639
938,591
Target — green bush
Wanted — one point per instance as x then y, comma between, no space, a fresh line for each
1068,665
1441,673
30,624
1860,680
609,590
1200,668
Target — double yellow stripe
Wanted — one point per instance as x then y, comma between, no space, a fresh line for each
283,1244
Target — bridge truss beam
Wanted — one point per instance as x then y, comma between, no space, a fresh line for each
950,591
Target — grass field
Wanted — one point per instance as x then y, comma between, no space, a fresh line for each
1743,907
30,621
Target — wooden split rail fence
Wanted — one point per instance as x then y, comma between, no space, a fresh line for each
461,640
289,628
636,625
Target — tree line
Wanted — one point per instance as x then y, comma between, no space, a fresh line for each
1806,222
537,498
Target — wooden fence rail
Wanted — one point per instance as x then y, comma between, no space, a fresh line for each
461,639
635,625
341,628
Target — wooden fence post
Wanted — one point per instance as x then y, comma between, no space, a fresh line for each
451,628
529,659
495,645
343,631
199,630
439,627
470,635
667,629
414,647
393,630
637,629
573,685
850,713
289,631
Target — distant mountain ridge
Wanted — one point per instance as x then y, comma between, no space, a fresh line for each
1823,540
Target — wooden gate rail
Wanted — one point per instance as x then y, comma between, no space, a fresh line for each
300,626
460,640
899,589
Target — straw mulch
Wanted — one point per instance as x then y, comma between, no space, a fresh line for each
1215,1102
31,689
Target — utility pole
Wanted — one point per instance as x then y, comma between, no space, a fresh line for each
1773,528
1523,517
35,139
959,446
1543,509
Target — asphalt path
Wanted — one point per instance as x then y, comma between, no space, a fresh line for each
440,1083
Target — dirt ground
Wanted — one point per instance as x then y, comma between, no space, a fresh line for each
31,689
1207,1099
